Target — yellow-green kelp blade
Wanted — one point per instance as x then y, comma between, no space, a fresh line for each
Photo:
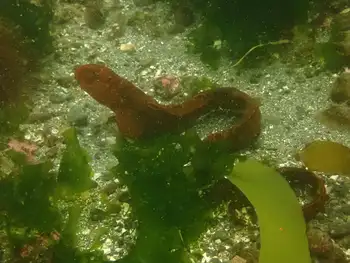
282,226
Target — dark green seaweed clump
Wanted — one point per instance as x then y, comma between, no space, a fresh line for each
233,27
33,226
34,18
173,182
24,38
169,180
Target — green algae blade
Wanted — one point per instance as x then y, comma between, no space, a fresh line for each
74,172
282,226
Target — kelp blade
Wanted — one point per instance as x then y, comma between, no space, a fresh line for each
326,157
282,226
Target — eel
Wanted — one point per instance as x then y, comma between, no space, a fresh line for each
139,115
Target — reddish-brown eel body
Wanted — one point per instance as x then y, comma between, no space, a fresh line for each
139,115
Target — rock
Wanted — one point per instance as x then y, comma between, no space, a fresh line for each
338,255
145,63
65,81
39,117
124,197
255,78
320,243
6,164
97,214
221,235
52,152
60,97
341,88
110,188
337,5
335,116
346,43
111,140
128,47
66,13
183,15
340,37
237,259
214,260
345,242
249,254
339,230
346,210
93,16
114,207
141,3
77,116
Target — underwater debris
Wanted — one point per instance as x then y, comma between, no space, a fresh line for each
139,115
273,43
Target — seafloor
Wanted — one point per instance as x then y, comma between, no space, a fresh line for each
290,99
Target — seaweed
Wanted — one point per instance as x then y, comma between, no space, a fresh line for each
240,25
177,181
33,220
25,197
282,226
75,173
173,181
13,60
169,187
173,178
24,38
34,18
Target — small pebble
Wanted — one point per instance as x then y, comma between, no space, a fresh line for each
128,47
